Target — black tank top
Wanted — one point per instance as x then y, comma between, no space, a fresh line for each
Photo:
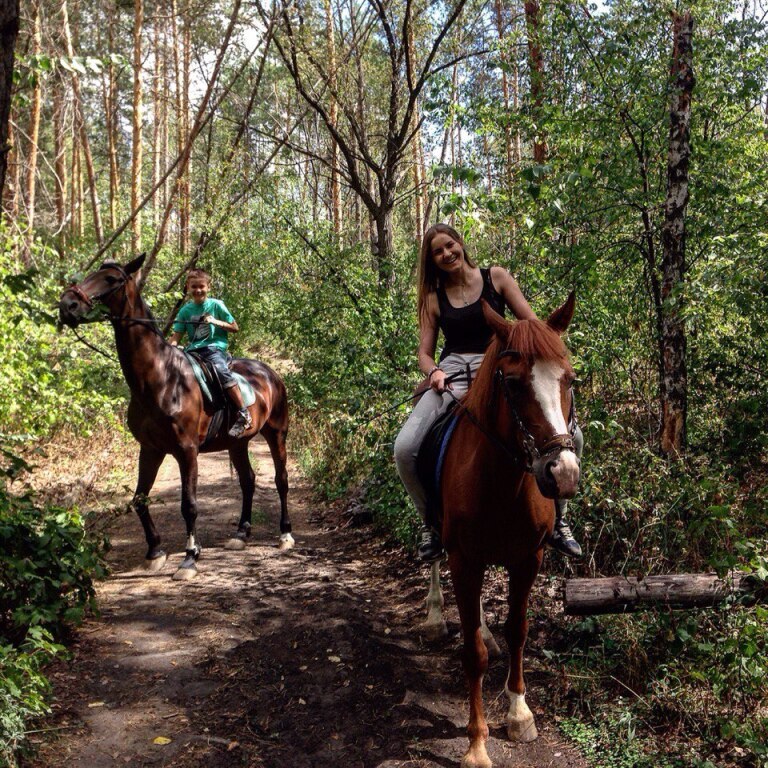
464,328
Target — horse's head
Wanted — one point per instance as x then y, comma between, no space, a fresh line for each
109,283
532,376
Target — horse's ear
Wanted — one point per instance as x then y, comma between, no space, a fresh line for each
560,319
497,323
135,264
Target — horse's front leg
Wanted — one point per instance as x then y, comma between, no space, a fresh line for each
434,628
520,722
238,454
187,458
467,584
149,463
275,438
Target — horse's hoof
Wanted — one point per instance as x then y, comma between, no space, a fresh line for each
185,573
156,563
477,757
236,544
432,633
522,730
286,541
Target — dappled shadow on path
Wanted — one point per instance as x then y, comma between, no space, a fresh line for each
294,660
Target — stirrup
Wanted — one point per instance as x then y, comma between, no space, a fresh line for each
430,547
242,423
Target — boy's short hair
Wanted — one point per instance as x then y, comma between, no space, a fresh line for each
198,274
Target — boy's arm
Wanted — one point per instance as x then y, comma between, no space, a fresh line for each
227,321
174,338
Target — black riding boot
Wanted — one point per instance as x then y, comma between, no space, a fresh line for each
562,539
430,548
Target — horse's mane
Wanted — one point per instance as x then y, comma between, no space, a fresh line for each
530,339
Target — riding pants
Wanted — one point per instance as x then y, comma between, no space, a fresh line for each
422,417
217,358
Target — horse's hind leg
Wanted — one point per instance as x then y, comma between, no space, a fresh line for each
520,722
434,628
238,454
275,438
149,464
467,584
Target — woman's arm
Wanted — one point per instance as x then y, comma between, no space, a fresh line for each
510,291
428,330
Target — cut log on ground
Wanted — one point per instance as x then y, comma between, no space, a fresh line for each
620,594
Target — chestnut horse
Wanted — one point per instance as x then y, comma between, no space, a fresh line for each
166,413
511,453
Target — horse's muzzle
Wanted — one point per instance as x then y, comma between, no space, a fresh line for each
557,474
71,311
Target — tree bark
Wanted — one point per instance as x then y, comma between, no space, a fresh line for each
85,144
34,127
674,384
59,159
536,64
111,118
136,137
9,29
588,597
330,41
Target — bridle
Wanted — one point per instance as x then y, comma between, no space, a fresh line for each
556,443
97,298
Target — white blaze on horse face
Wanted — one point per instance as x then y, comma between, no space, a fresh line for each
545,380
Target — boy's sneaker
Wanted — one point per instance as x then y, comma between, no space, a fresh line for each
242,423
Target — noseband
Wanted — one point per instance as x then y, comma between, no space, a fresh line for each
555,444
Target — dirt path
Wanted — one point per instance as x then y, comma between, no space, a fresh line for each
297,660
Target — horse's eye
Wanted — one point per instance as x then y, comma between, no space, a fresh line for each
110,279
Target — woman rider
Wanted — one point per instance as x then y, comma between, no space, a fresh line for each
450,289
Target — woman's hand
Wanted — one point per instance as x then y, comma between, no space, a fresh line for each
437,381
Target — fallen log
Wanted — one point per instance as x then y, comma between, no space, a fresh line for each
623,594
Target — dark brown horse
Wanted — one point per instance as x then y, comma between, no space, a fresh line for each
166,413
511,453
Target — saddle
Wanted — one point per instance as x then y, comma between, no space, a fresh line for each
430,459
215,401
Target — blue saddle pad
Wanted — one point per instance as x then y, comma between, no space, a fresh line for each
247,391
429,463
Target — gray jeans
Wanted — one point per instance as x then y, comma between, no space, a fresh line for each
422,417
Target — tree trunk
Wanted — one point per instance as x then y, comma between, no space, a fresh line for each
536,64
85,144
184,182
9,29
589,597
59,159
34,128
136,147
330,41
112,122
674,384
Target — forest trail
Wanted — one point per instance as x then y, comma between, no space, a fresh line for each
306,659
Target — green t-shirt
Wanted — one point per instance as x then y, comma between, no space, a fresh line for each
203,334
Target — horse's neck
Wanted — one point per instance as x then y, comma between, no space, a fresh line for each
143,353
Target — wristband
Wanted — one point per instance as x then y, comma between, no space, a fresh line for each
436,368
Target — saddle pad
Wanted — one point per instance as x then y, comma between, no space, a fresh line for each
429,462
247,391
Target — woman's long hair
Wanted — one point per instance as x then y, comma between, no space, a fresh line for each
429,274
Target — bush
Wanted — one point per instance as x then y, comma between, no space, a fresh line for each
48,564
